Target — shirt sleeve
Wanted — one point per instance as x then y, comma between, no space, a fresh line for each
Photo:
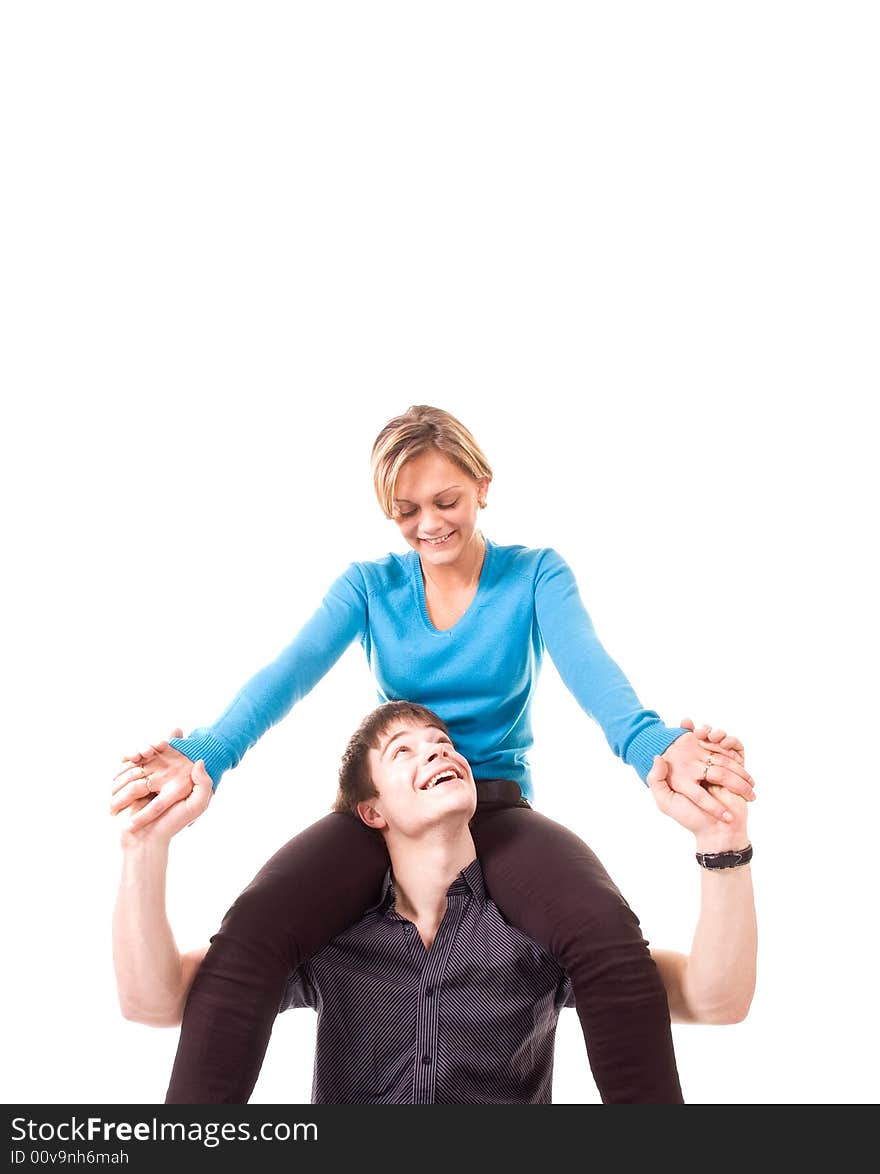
635,734
270,695
299,991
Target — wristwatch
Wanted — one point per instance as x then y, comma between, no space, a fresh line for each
725,859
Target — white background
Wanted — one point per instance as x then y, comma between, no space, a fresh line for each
634,247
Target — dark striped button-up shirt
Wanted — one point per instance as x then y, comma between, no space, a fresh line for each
470,1021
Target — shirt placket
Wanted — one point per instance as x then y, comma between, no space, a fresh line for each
428,1003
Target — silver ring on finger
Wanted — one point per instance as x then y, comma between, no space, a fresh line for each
149,783
708,763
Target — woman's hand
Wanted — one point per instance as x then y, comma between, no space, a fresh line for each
716,739
703,757
159,770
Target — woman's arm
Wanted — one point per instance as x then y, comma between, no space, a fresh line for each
261,703
272,692
152,976
601,688
715,982
598,684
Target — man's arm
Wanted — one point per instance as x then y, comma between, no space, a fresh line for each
152,976
716,981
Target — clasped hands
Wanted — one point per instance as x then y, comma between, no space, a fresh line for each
162,787
696,766
702,763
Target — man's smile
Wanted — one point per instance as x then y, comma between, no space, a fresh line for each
447,774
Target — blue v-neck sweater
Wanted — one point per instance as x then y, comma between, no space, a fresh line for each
479,675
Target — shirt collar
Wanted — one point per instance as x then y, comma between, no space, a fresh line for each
469,881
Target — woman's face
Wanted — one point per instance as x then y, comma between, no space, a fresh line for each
436,499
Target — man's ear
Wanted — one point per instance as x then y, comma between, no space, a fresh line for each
371,815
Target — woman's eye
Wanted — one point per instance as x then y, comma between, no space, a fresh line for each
411,513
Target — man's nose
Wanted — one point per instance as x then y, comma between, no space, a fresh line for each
436,752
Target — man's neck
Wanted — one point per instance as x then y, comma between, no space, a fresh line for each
423,870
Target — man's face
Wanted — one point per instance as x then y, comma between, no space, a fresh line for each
421,778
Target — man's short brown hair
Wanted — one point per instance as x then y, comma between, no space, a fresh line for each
355,781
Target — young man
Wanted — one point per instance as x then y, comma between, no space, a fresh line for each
432,997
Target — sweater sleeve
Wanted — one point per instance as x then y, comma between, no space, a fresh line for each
274,690
635,734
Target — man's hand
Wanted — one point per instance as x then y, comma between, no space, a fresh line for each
151,975
716,981
712,835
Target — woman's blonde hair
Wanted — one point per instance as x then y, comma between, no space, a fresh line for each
418,430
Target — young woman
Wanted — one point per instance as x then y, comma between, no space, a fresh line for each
458,624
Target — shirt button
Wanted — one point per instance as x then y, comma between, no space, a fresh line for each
426,1059
429,991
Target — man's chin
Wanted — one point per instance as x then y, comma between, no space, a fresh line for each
450,810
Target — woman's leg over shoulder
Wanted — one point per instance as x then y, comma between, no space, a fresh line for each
548,883
312,889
